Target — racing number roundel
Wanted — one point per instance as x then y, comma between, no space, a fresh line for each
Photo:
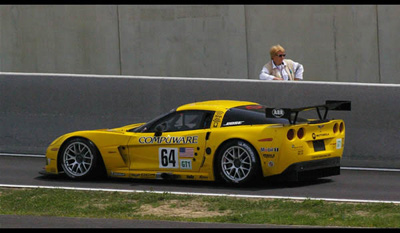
168,157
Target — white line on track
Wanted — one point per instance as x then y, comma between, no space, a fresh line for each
204,194
22,155
371,169
201,194
343,168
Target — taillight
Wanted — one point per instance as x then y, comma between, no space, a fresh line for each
290,134
341,127
335,128
300,133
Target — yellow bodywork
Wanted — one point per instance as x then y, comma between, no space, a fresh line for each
137,154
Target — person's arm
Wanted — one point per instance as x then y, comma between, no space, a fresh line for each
298,71
264,75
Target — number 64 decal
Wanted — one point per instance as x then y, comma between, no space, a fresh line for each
168,157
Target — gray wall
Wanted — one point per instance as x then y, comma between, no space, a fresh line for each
35,109
349,46
341,43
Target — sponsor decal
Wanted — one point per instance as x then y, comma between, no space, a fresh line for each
271,164
169,140
269,149
338,143
143,175
233,123
314,136
186,164
295,147
300,152
117,174
278,112
269,155
217,118
320,156
299,149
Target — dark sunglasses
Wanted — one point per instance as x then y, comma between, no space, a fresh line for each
281,55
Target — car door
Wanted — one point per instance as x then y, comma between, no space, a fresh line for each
176,142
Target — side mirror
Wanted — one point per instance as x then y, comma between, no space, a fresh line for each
159,130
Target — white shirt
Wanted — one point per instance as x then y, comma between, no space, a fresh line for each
298,71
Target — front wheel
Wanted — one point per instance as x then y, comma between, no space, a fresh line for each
80,159
237,163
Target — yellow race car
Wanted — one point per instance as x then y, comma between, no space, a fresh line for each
232,141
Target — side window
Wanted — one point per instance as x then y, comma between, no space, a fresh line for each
183,120
249,115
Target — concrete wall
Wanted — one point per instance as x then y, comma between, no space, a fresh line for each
35,108
341,43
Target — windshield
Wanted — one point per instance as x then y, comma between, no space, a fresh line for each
146,126
178,121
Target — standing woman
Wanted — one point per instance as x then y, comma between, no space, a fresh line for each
280,68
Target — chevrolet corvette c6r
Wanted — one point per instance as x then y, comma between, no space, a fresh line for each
232,141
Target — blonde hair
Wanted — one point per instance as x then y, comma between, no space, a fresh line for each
275,49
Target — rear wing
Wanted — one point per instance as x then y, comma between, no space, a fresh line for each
292,113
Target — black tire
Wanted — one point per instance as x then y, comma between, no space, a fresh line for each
80,159
237,163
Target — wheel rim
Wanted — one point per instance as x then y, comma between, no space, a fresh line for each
77,159
236,163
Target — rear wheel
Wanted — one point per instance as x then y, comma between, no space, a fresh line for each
80,159
237,163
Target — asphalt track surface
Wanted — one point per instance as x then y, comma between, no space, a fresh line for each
350,186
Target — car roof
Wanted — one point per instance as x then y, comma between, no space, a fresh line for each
215,105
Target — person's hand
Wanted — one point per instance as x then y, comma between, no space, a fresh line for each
277,78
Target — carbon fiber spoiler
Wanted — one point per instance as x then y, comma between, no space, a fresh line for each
292,113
